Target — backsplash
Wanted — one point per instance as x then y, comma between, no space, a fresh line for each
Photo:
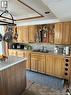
43,47
51,48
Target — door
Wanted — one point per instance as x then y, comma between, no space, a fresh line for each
49,64
32,33
58,33
28,62
58,69
41,63
12,52
34,61
20,34
25,34
20,53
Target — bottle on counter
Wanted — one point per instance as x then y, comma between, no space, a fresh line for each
67,50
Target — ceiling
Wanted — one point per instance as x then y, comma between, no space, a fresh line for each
33,11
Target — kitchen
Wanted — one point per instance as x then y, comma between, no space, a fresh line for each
46,43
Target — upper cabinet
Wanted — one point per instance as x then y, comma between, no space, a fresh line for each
32,33
46,33
59,33
25,34
20,34
62,33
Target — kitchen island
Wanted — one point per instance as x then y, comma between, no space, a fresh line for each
12,76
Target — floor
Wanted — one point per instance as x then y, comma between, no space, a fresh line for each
39,84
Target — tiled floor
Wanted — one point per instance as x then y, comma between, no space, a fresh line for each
38,84
50,81
37,89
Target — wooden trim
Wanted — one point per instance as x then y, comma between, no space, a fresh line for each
29,18
29,7
25,18
6,17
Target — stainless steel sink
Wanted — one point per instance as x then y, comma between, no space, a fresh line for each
41,51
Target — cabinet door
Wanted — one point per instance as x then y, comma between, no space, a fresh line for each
9,52
20,34
62,33
66,38
20,53
28,63
58,69
49,64
12,52
32,33
34,64
58,33
34,61
25,34
41,63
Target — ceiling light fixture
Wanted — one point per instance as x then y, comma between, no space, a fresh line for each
7,20
47,12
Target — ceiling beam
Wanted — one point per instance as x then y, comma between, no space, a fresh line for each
29,18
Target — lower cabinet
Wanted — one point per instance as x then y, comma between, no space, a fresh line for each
21,53
41,63
38,62
55,65
12,52
28,56
49,64
59,66
34,61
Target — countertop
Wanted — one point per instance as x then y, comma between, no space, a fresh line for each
51,53
10,61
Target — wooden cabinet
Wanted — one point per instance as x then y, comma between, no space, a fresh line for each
32,33
62,33
66,33
67,72
21,53
55,65
34,61
28,56
38,62
41,63
58,33
58,68
49,64
20,34
25,34
12,52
